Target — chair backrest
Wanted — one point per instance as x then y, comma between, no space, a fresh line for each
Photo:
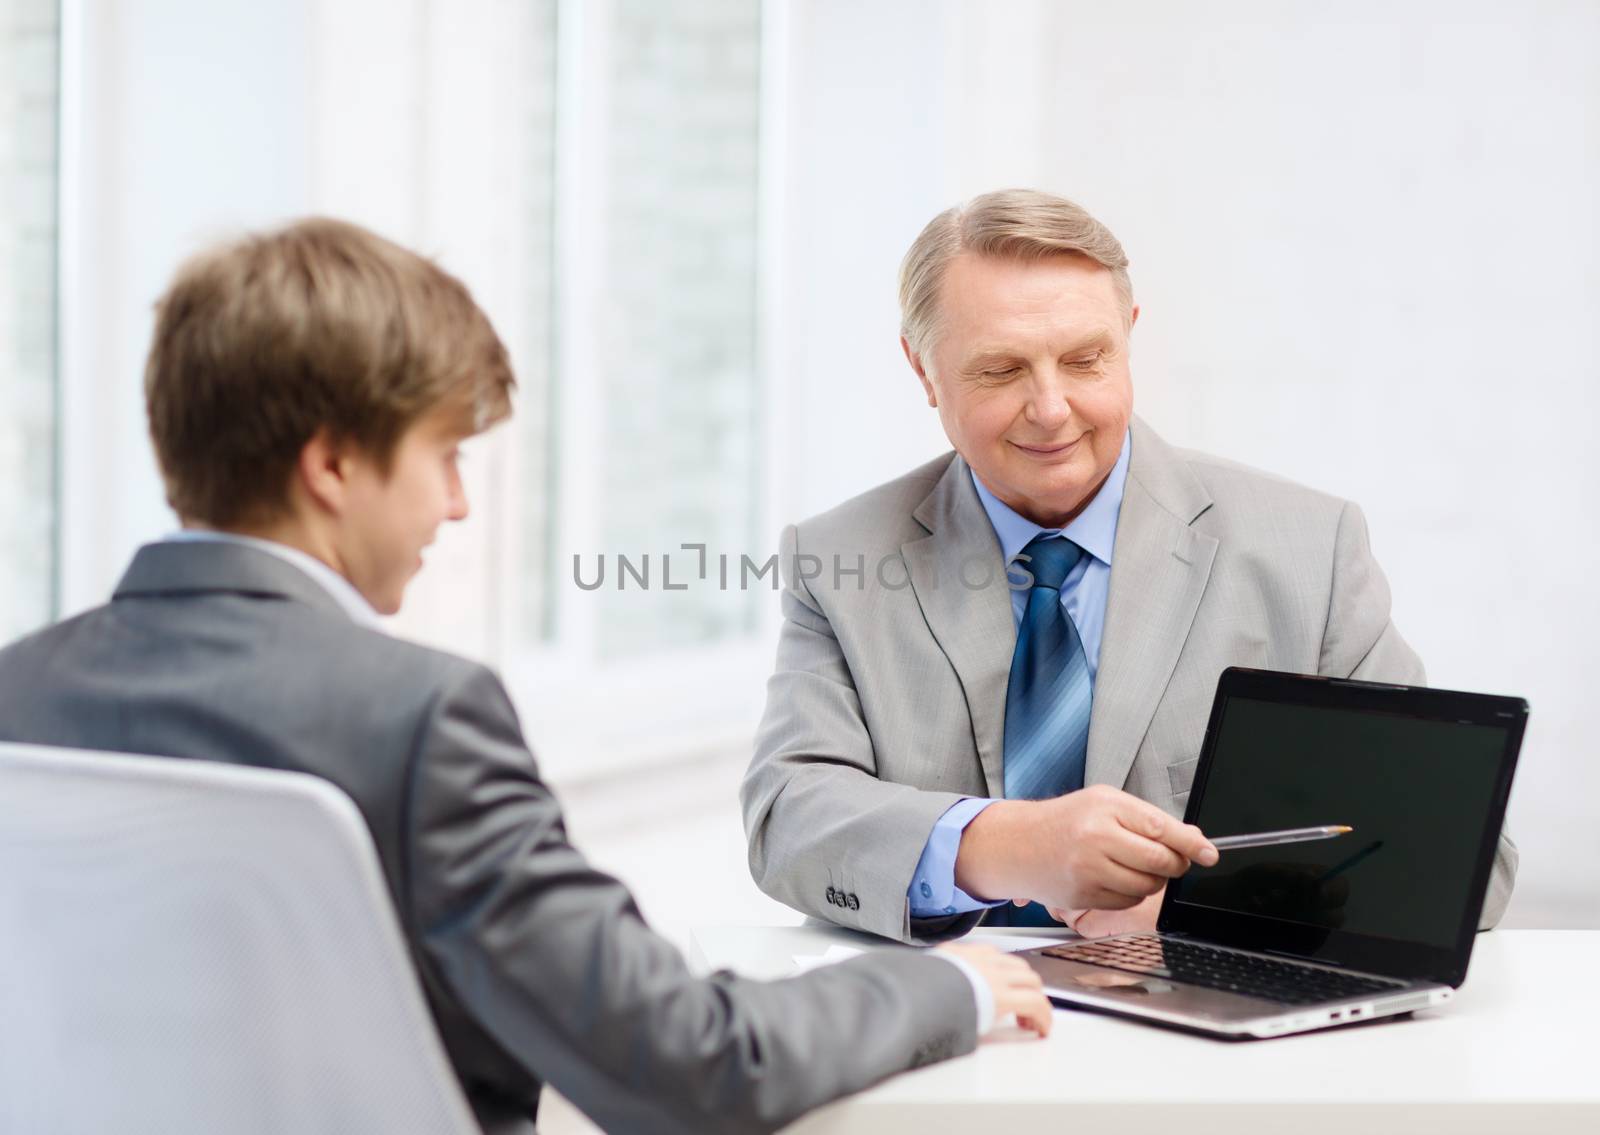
191,947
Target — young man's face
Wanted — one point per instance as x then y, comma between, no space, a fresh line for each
389,519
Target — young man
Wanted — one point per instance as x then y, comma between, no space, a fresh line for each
308,390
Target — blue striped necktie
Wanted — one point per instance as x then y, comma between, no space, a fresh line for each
1049,694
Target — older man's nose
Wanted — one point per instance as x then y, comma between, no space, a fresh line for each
1049,407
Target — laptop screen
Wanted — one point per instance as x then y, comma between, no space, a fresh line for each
1417,775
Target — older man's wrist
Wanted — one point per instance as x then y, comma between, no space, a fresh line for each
994,846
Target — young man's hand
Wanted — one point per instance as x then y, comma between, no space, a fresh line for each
1016,986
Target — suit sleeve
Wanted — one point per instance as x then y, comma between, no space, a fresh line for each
826,835
553,960
1360,641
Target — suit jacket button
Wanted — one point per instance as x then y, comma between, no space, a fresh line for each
831,894
855,903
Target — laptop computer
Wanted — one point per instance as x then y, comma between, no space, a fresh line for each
1288,938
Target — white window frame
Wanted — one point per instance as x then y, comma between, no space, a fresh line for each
588,716
584,716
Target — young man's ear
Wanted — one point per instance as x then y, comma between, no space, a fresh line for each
323,471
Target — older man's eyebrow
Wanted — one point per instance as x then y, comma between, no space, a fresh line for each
1099,337
987,356
991,357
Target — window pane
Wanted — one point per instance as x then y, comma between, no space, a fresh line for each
535,348
28,67
680,414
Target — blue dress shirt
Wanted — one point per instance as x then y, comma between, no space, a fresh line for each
933,891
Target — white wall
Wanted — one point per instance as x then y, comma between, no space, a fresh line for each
1375,272
1364,240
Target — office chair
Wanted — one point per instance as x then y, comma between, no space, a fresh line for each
189,947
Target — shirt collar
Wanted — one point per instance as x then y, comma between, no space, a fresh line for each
351,601
1094,529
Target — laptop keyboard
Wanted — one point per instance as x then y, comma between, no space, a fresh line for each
1227,970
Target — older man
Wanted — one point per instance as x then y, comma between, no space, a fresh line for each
1008,704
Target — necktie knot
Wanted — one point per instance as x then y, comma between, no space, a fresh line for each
1051,559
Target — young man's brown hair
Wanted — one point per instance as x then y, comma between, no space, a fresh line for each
262,342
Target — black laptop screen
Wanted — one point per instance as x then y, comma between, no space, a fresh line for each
1416,791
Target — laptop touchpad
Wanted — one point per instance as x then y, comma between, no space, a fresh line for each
1110,980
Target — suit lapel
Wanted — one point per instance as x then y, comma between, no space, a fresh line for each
1159,569
959,579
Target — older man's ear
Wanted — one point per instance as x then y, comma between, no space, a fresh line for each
922,373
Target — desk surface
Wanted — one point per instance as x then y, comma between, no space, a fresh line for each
1515,1051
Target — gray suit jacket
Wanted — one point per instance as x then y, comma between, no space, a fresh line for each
888,701
537,966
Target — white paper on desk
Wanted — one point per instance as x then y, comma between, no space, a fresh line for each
803,962
1010,943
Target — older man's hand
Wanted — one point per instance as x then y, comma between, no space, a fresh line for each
1140,919
1095,849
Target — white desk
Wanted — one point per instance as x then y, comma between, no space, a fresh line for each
1518,1051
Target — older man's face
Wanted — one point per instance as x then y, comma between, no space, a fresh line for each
1030,377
